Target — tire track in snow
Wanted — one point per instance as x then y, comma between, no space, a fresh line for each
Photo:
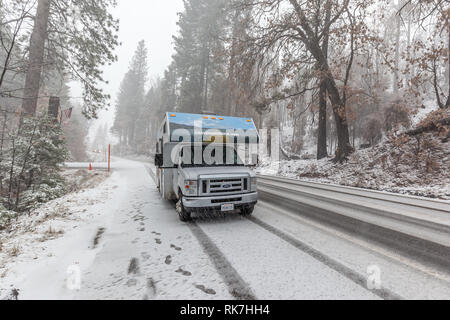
237,287
357,278
241,290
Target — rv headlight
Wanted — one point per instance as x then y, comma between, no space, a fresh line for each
254,183
190,187
191,183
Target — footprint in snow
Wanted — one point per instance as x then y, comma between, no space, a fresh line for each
151,286
156,233
98,236
175,247
133,268
168,260
184,272
158,241
206,290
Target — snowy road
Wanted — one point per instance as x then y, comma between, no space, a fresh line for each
134,247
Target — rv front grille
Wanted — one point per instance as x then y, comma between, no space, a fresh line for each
225,186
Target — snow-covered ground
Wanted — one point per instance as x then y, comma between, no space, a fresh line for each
125,242
421,113
117,239
119,236
384,168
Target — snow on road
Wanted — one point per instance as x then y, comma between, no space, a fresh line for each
127,243
145,253
402,276
273,268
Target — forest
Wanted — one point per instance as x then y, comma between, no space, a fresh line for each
332,75
44,45
343,80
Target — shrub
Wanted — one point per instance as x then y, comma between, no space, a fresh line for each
5,216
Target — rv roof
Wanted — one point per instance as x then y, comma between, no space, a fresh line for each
186,120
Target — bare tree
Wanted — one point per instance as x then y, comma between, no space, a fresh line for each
435,16
307,27
322,130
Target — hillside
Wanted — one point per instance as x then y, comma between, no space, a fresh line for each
417,165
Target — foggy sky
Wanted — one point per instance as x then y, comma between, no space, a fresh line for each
151,20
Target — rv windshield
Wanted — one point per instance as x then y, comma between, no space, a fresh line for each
210,155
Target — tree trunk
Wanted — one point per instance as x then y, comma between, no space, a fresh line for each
322,136
205,97
322,151
5,119
410,74
36,59
337,103
11,171
433,126
231,67
397,56
447,104
344,148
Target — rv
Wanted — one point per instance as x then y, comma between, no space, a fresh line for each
204,163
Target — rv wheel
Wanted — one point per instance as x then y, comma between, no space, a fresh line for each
247,211
181,210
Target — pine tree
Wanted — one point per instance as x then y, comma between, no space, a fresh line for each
199,55
79,38
131,112
32,164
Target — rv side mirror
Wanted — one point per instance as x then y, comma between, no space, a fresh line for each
159,160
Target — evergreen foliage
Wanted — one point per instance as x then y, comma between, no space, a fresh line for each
30,166
132,114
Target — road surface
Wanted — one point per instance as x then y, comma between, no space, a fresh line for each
134,247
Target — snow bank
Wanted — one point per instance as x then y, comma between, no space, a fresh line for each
405,168
29,242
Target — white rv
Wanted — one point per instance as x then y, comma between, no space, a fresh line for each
200,165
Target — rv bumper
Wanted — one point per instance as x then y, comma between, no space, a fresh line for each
239,201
